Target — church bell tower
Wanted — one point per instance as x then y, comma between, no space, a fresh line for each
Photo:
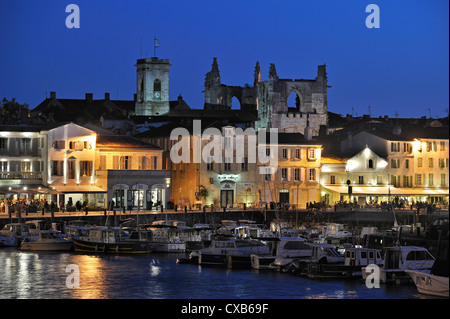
152,90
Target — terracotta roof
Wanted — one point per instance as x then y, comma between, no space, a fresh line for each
122,141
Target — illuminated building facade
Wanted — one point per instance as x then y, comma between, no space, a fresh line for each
105,170
71,165
234,183
361,178
417,161
297,179
132,173
22,156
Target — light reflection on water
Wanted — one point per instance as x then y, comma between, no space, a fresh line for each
31,275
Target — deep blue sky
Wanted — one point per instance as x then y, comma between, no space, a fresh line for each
401,67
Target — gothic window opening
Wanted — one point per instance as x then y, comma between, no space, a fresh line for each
235,103
294,102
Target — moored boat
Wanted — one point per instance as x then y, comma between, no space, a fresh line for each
108,240
48,240
167,238
284,251
324,262
398,259
13,234
433,283
229,251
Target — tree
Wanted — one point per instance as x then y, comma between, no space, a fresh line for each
13,112
203,192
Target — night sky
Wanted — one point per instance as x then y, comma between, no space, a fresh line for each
402,67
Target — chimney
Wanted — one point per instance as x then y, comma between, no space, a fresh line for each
53,95
308,129
88,96
107,96
308,133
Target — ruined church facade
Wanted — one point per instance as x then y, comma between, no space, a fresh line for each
268,100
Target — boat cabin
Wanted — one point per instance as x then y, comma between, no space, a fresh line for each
102,234
325,253
224,245
407,257
362,257
16,229
292,247
49,234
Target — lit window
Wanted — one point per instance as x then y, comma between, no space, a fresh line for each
311,154
312,174
297,174
284,174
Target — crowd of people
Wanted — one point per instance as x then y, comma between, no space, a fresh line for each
10,206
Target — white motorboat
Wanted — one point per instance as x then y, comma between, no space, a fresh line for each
324,262
284,251
230,251
360,256
168,238
399,259
335,234
14,233
47,240
433,283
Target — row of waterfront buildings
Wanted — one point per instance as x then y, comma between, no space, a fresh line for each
115,154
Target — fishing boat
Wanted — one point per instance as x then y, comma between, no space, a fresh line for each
108,240
433,283
398,259
284,251
48,240
13,234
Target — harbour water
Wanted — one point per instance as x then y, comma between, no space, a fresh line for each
44,275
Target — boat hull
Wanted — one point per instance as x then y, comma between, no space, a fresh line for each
123,247
233,262
168,247
56,246
212,259
8,241
430,284
262,262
